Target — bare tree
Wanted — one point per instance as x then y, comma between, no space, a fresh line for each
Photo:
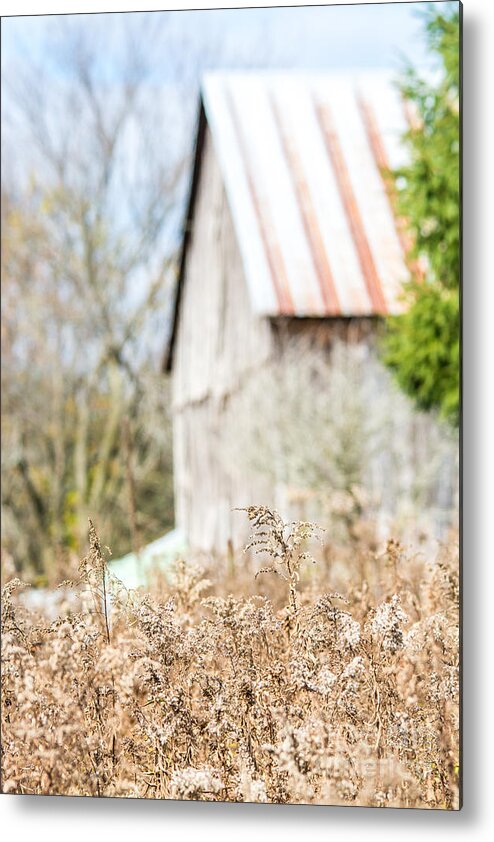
86,255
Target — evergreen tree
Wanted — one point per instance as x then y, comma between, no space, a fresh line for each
421,347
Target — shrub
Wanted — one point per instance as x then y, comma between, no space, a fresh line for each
334,699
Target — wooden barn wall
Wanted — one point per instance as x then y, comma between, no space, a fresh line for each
209,484
219,343
219,339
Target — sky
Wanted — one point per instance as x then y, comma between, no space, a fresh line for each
327,37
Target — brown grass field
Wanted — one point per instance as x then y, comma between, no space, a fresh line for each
221,685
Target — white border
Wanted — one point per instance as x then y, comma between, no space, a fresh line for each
52,819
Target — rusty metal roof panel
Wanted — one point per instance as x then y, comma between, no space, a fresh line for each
302,157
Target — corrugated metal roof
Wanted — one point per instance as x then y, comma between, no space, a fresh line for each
302,157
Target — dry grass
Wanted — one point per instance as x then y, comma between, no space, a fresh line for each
203,690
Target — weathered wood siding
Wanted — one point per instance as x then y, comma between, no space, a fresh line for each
219,343
219,339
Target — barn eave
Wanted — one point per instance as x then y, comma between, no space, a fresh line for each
187,230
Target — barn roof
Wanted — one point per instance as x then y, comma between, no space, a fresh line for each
304,160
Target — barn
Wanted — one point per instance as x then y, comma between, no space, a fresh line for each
292,254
